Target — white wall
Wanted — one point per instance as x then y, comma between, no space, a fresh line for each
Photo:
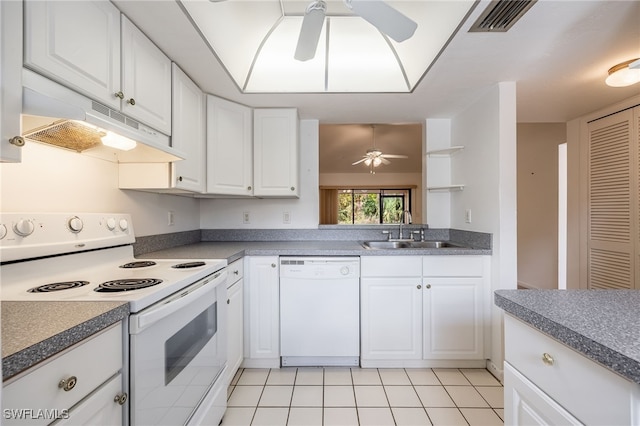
487,167
52,179
268,213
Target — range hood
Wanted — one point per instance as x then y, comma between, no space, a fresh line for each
56,115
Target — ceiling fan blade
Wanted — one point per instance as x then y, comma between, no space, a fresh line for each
393,156
358,162
384,160
385,18
310,31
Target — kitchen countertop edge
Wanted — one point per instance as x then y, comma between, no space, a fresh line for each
566,333
23,359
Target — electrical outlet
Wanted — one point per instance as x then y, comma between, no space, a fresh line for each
170,218
246,217
286,217
467,215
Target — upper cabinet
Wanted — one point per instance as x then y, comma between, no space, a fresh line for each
276,148
10,80
188,133
229,148
91,48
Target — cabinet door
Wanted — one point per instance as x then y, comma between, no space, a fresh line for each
188,132
262,315
276,140
229,148
146,79
100,408
235,336
10,79
76,44
526,404
391,318
453,318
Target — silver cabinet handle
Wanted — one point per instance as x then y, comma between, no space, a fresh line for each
293,188
428,286
68,384
418,286
249,188
119,95
273,265
120,398
236,272
547,359
131,101
17,141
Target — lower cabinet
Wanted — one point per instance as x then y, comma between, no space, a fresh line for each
235,310
71,386
549,383
424,310
262,313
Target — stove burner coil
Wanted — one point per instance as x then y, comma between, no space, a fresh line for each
126,284
188,265
138,264
64,285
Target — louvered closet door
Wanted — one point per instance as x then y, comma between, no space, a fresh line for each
613,202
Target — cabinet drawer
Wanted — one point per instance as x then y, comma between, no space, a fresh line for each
236,271
457,266
577,383
91,361
391,266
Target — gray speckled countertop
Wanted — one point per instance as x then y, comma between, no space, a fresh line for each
603,325
237,249
34,331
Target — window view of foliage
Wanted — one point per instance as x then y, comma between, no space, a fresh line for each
364,207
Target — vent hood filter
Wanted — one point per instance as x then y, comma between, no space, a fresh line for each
67,134
500,15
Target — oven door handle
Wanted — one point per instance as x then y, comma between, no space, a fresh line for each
178,301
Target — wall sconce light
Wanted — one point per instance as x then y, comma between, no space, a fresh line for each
624,74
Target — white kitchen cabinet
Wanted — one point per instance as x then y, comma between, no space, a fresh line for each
146,79
262,313
69,385
235,312
10,81
276,152
93,49
229,148
424,310
391,308
547,382
455,289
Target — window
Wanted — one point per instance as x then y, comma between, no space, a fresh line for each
372,206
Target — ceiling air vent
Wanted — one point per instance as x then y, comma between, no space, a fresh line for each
500,15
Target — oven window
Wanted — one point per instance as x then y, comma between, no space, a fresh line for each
183,346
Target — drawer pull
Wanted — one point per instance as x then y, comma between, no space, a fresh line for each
547,359
68,384
236,272
120,398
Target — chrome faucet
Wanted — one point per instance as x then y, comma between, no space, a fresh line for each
402,220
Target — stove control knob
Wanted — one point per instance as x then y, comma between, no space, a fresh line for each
124,225
111,224
3,231
24,227
75,224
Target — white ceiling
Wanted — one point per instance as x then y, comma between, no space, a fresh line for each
558,54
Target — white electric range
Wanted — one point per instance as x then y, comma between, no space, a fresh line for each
177,327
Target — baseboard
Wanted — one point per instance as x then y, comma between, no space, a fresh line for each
498,373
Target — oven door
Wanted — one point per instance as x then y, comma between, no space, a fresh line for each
178,350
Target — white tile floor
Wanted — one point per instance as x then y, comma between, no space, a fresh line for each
359,396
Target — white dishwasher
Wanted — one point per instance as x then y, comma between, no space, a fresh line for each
320,311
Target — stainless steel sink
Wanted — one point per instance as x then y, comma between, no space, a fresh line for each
385,245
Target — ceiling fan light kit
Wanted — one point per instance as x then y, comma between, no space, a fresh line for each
624,74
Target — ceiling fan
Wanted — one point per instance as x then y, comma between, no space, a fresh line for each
378,13
374,157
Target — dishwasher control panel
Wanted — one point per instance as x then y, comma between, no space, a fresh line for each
320,267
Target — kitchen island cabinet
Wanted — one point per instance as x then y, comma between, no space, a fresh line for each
93,49
262,313
562,352
10,81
